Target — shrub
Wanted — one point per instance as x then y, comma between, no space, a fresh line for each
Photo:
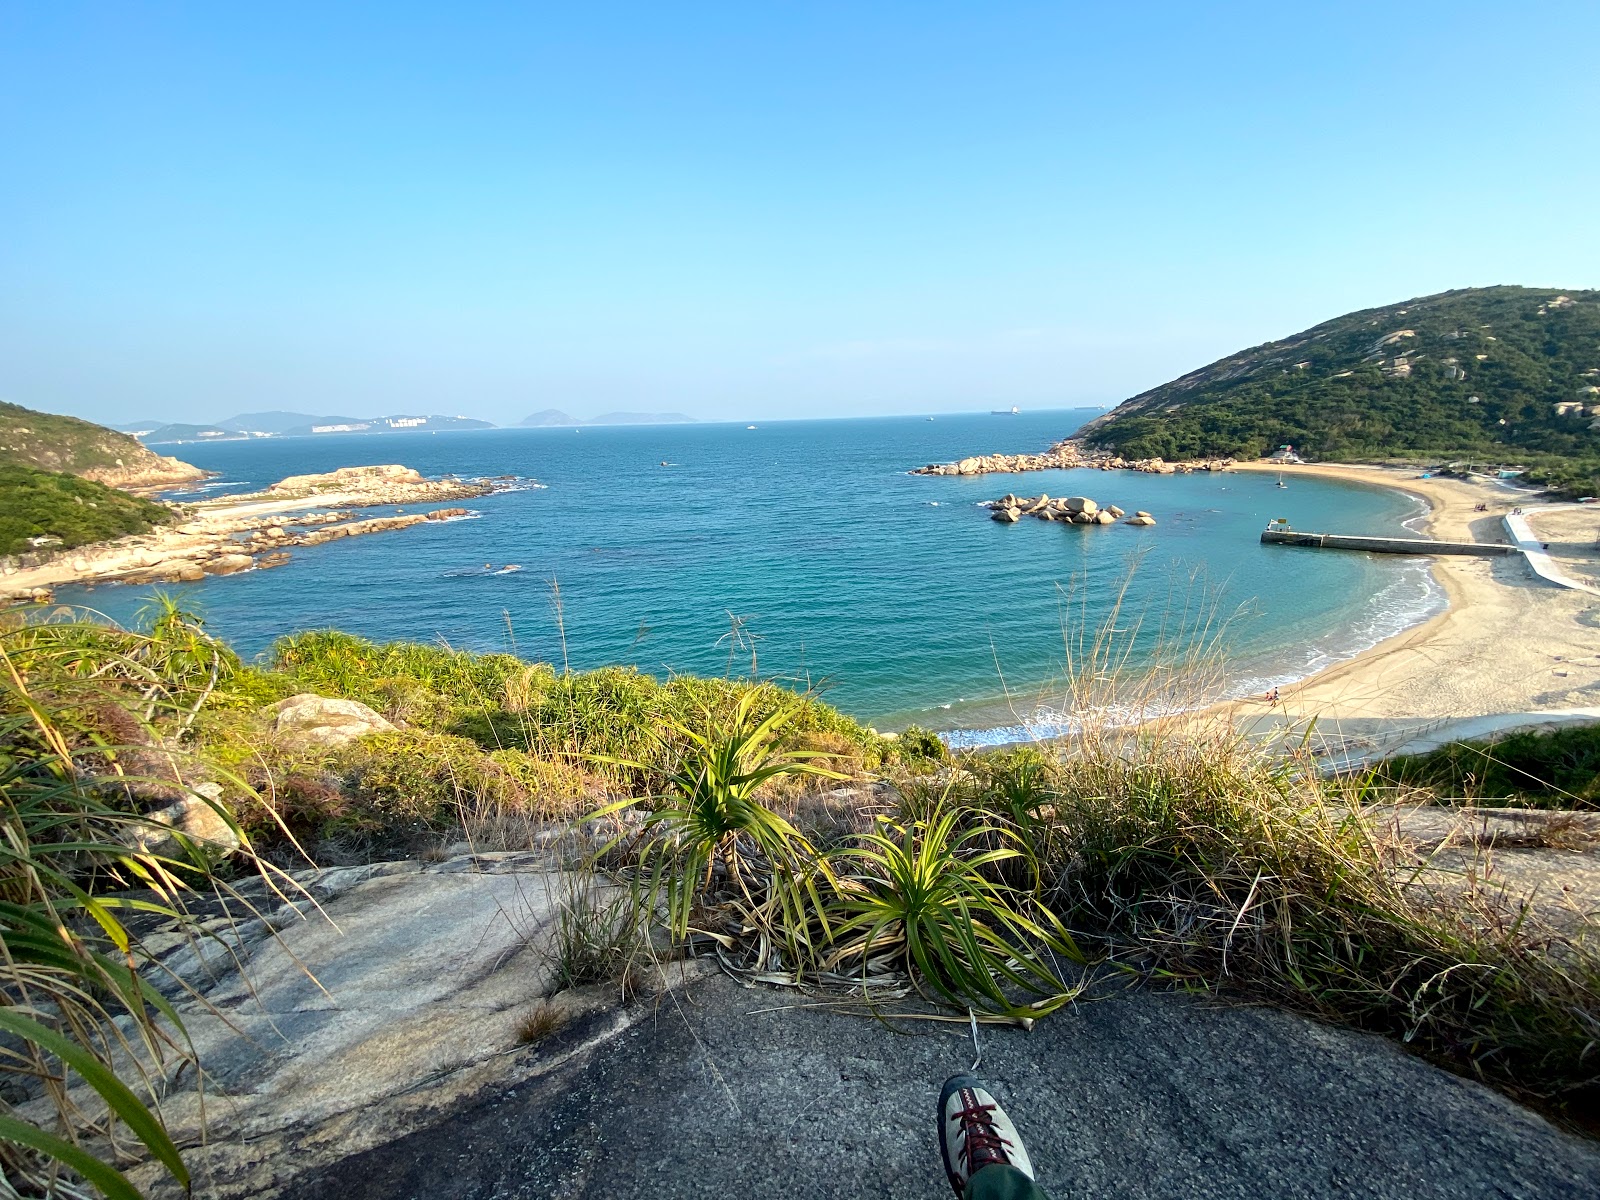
1560,769
917,746
413,780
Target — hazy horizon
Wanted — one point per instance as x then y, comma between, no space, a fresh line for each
754,214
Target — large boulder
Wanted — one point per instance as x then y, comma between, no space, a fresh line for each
1114,511
1141,520
194,822
1079,504
229,564
1104,517
1007,515
1083,518
309,719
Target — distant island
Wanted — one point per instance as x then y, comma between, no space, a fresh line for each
1504,374
290,424
554,416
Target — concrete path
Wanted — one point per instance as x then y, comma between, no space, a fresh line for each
1142,1095
1532,547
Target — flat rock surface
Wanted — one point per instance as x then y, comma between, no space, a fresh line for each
397,1071
1140,1095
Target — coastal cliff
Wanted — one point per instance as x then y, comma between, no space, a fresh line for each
51,442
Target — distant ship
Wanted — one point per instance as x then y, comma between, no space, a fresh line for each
1013,411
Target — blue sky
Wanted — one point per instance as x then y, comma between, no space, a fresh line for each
740,210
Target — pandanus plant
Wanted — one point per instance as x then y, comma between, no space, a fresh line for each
921,896
710,814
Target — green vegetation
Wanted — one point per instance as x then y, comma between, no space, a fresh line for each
103,727
82,706
986,881
1558,770
73,511
1475,373
51,442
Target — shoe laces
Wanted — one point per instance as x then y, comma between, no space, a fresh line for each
981,1143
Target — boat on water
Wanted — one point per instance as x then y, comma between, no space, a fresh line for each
1013,411
1281,483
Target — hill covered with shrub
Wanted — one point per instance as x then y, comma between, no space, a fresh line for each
52,442
72,511
1510,374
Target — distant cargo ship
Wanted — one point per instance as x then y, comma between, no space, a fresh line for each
1013,411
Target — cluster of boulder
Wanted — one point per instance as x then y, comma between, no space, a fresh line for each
236,533
1076,510
262,548
1158,466
1062,456
391,484
1069,455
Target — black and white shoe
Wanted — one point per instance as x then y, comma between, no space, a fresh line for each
974,1132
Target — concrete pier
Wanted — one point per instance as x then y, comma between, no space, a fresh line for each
1382,545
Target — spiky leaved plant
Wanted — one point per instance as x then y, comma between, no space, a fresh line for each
710,814
87,1038
922,894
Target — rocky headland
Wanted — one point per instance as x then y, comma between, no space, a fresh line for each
249,532
1073,510
1069,454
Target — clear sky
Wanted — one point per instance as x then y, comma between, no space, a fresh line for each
759,208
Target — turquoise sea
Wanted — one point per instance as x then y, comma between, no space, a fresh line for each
893,592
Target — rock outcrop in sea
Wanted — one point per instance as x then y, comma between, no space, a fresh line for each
1072,510
255,531
1068,455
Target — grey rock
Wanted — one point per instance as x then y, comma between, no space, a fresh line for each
325,720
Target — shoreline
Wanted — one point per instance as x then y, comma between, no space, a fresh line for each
1507,645
1508,651
251,531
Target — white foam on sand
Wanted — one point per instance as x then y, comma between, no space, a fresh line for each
1411,597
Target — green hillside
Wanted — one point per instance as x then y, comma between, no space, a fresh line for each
1508,373
56,504
52,442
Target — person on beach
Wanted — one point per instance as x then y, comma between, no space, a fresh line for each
983,1153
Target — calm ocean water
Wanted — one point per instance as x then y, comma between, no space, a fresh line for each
892,591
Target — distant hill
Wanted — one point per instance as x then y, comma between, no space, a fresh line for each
1511,373
278,422
287,424
186,433
400,423
554,416
50,442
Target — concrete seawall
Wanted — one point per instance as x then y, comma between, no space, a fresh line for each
1383,545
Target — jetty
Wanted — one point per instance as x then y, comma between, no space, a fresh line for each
1279,534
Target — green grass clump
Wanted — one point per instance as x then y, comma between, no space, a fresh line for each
611,715
925,892
416,778
72,511
1195,858
1560,769
85,710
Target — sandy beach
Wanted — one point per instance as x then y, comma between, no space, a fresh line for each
1511,650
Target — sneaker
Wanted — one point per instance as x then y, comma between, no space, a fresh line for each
974,1132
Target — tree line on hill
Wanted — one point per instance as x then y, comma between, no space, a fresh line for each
1502,374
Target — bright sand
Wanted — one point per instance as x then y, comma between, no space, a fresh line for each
1509,643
